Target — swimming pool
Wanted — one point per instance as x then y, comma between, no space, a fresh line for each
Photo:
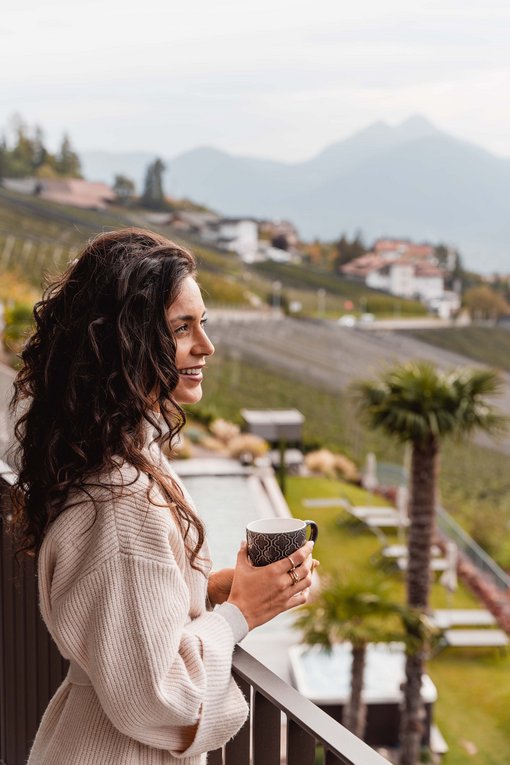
227,497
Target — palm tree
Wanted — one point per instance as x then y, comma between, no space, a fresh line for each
355,612
417,404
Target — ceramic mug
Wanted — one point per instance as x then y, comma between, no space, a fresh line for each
271,539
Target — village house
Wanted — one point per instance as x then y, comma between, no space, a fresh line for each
76,192
406,270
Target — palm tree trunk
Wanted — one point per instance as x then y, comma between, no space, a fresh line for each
422,506
354,716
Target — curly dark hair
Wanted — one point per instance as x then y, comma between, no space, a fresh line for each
97,367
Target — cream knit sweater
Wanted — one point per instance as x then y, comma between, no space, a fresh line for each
150,679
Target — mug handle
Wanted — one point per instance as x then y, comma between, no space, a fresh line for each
314,529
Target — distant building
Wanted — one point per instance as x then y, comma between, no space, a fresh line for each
65,191
191,221
272,230
76,192
238,235
396,248
407,270
407,279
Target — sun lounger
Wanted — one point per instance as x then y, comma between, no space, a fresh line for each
444,618
362,512
436,564
386,521
400,551
325,502
476,638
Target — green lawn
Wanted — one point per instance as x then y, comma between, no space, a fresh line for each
473,686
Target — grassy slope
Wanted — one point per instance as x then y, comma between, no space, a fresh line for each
339,289
473,687
488,345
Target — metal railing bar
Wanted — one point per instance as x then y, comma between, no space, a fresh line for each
237,750
480,558
300,745
331,759
266,731
336,739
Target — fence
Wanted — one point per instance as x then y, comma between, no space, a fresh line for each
478,557
31,669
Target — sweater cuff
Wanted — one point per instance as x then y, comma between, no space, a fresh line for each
235,618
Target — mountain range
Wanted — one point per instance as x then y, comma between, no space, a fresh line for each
410,180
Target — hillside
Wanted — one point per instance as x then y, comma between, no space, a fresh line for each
38,237
410,180
486,345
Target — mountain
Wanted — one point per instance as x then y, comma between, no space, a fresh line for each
410,180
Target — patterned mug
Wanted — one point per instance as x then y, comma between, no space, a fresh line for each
271,539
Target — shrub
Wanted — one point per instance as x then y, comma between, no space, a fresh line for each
247,444
18,324
331,465
223,430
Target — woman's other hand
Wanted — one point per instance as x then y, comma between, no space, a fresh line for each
219,585
262,592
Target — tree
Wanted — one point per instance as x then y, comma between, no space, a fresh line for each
124,189
347,251
67,162
21,156
355,612
3,158
414,403
484,303
153,196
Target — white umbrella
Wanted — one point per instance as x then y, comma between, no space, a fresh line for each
449,576
401,502
369,478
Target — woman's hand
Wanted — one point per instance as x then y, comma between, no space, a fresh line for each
219,585
262,592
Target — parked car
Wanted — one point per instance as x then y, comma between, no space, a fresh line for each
347,320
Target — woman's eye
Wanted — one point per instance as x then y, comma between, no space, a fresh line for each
181,330
203,321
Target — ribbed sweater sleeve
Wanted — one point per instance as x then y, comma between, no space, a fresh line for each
160,666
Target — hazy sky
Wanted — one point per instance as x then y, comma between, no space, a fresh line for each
274,78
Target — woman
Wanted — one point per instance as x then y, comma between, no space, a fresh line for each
125,581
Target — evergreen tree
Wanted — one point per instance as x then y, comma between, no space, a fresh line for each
124,189
67,162
20,158
39,152
153,197
3,158
348,250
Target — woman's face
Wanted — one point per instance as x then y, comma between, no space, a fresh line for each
187,319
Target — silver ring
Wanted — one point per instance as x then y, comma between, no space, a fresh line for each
293,575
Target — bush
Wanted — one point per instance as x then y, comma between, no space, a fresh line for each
246,444
326,463
223,430
18,325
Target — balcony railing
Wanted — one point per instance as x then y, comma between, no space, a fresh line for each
31,669
259,742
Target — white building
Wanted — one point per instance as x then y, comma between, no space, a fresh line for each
408,280
239,235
